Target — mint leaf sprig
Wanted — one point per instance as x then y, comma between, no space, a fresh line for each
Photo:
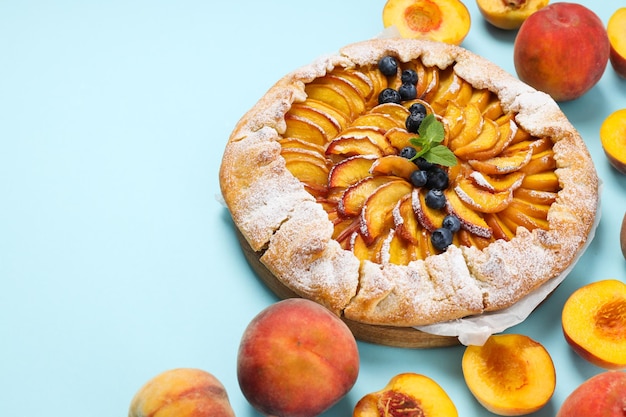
431,134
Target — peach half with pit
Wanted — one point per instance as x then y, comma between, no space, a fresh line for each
407,394
438,20
594,323
562,49
182,392
296,359
509,14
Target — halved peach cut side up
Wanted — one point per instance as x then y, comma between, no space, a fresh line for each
510,375
442,20
594,323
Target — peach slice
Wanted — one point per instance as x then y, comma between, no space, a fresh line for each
503,164
378,120
407,394
545,181
377,210
485,140
594,323
499,183
345,88
616,30
472,127
350,171
327,124
508,14
470,220
337,117
399,137
480,199
396,111
442,20
304,128
453,119
350,146
429,218
355,196
510,375
309,167
405,220
396,165
373,133
613,139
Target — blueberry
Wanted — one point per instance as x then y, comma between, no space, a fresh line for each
435,199
441,238
389,95
437,178
413,122
407,91
418,108
409,76
423,164
408,152
388,66
418,178
452,223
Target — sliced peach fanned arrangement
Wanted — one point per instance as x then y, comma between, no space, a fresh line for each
509,14
594,323
510,375
371,171
438,20
407,394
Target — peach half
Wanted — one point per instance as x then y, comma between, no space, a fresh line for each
407,394
613,139
181,392
594,323
616,29
602,395
296,359
438,20
510,375
509,14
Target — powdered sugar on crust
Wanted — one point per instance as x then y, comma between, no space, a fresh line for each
293,235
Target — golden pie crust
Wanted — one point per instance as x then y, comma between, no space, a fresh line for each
292,234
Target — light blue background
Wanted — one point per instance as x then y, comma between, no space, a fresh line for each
117,260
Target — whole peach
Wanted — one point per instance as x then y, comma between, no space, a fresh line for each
182,392
603,395
296,359
562,49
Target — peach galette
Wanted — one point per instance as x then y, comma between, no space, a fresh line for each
404,182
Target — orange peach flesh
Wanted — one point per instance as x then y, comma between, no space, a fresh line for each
613,139
443,20
510,374
616,30
594,323
508,14
405,393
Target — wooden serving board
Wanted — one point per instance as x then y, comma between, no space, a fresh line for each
404,337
